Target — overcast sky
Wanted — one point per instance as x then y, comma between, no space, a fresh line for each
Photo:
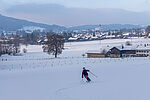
132,5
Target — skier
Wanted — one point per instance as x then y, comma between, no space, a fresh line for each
85,74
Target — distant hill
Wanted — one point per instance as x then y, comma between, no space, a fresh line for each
106,27
120,26
13,24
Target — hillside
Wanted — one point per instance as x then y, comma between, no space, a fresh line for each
13,24
107,27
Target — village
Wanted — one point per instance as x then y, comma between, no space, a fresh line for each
99,34
10,43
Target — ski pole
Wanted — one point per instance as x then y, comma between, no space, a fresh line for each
93,74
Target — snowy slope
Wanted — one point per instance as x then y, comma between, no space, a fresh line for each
38,76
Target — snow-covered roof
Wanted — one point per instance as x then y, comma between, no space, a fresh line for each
71,38
3,40
134,47
110,36
93,51
94,37
126,34
46,40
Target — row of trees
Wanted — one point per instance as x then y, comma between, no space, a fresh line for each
9,46
54,45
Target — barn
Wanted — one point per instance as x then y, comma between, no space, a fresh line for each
95,54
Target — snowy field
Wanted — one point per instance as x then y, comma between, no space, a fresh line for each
39,76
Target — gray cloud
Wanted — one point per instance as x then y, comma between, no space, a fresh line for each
134,5
61,15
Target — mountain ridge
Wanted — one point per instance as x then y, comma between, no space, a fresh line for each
13,24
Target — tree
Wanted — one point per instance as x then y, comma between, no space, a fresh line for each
24,50
128,43
16,45
104,51
147,31
13,45
0,49
2,36
54,44
67,35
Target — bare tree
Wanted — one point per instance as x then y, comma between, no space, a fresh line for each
0,49
24,50
104,51
128,43
16,48
54,44
147,31
16,45
13,45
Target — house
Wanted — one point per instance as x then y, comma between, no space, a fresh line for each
135,53
121,51
143,53
113,53
130,51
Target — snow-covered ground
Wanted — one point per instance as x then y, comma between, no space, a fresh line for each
30,29
39,76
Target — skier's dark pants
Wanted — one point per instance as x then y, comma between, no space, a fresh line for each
86,76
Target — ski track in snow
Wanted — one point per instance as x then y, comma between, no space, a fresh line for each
59,92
